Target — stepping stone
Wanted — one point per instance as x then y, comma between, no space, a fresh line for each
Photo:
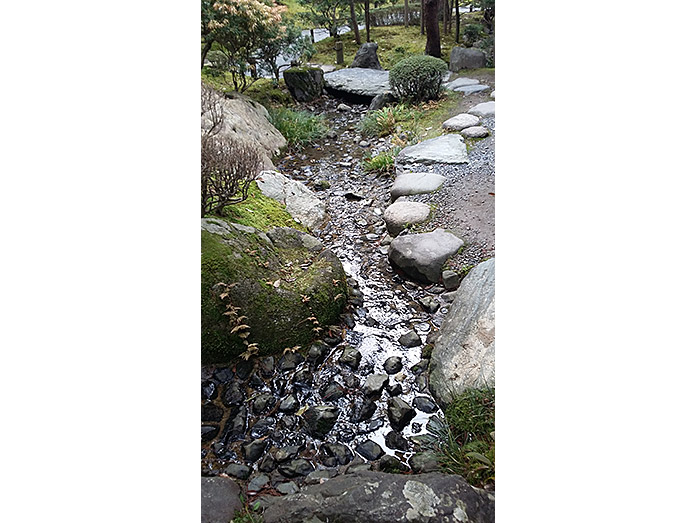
421,256
415,183
469,89
483,109
460,122
401,214
449,148
475,132
460,82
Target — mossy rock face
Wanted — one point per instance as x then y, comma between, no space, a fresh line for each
304,83
284,282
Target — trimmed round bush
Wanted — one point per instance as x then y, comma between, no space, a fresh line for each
418,78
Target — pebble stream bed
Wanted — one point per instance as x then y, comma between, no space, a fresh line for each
254,414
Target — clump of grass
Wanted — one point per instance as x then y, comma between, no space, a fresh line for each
248,516
382,163
384,122
299,128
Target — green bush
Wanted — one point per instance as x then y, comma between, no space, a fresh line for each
298,127
418,78
472,33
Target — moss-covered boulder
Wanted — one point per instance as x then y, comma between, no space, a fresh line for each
304,83
283,285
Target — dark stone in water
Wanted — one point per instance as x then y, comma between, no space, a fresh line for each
318,351
263,402
208,391
363,409
244,369
424,404
289,422
233,394
391,464
374,384
399,413
416,427
253,450
341,453
320,419
396,441
224,375
267,464
289,404
208,432
393,365
394,390
332,391
297,467
286,453
238,471
422,383
303,377
256,382
410,339
351,357
420,367
348,320
290,361
375,424
423,462
370,450
211,413
262,427
267,366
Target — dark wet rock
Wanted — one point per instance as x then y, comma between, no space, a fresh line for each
220,499
290,361
370,450
258,482
466,58
464,353
424,404
351,381
374,384
410,339
343,108
263,402
416,427
317,352
429,304
367,57
420,367
289,422
391,464
341,453
396,441
208,391
262,427
351,357
208,432
211,413
303,377
256,382
422,382
392,365
295,468
304,83
318,476
289,404
253,450
267,366
399,413
320,419
423,462
421,256
238,471
380,101
235,427
289,487
332,391
375,424
244,369
233,394
287,453
348,320
358,466
224,375
363,409
394,390
268,464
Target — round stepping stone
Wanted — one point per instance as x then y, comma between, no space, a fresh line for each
460,122
449,148
415,183
483,109
399,215
421,256
475,132
469,89
460,82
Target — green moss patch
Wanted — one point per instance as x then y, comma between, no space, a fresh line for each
260,212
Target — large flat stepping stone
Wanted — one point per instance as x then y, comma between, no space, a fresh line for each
415,183
469,89
475,132
460,82
449,148
421,256
460,122
359,81
399,215
483,109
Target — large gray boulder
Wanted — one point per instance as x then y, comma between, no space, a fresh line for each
401,214
421,256
464,352
300,202
304,83
379,497
359,81
367,57
466,58
415,183
220,498
449,148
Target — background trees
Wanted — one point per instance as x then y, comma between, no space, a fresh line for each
430,16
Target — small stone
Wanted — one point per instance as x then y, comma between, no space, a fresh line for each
320,419
370,450
449,297
320,476
391,464
399,413
286,453
424,404
287,488
423,462
393,364
374,384
410,339
451,280
332,391
484,109
363,410
351,357
289,404
343,107
208,432
475,132
267,464
208,391
394,390
290,361
238,471
267,366
258,482
253,450
263,402
396,441
224,375
244,369
303,377
297,467
341,453
363,143
429,304
420,367
318,351
460,122
289,422
233,394
261,427
211,413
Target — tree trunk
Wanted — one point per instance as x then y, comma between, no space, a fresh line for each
446,17
204,52
367,20
457,21
406,13
354,23
422,17
432,28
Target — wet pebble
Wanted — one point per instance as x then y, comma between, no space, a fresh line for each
370,450
351,357
295,468
237,470
410,339
393,364
424,404
262,427
253,450
399,413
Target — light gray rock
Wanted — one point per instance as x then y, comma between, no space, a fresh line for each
451,280
483,109
460,122
359,81
466,58
449,148
374,384
220,498
470,89
380,497
367,57
300,202
493,94
415,183
343,108
422,256
460,82
401,214
475,132
464,353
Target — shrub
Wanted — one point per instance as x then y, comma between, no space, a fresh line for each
228,167
472,32
418,78
298,127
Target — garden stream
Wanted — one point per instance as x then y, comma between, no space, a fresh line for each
265,399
